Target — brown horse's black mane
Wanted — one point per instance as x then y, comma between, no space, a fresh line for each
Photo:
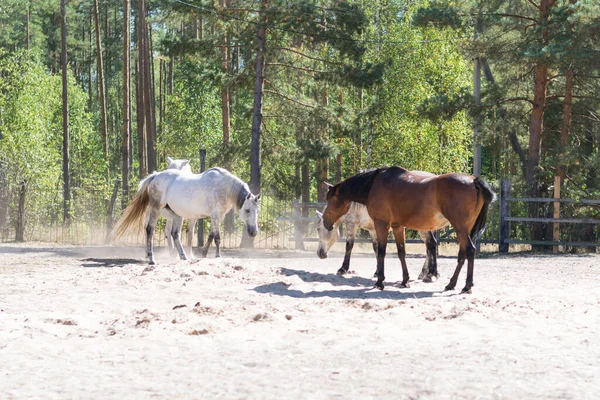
357,187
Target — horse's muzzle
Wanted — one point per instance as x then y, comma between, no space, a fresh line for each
328,225
252,232
322,254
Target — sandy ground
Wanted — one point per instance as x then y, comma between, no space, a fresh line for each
97,323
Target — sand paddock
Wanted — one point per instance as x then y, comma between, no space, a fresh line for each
98,323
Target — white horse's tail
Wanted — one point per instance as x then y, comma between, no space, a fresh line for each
135,211
146,181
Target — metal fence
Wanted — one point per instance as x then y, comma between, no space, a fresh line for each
35,214
40,219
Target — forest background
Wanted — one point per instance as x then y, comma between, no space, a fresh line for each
291,94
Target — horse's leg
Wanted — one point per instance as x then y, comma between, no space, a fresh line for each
351,232
209,240
382,232
217,241
471,249
463,242
429,271
168,229
190,237
151,219
176,234
373,235
400,236
425,269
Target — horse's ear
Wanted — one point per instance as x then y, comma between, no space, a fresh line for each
319,214
248,196
257,198
330,190
170,159
184,163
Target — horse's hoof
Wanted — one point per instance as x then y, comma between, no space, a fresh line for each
341,271
429,278
151,262
379,285
405,285
466,290
449,287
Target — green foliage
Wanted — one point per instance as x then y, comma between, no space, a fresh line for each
31,121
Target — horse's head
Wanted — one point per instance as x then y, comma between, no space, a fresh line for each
326,237
336,207
183,165
249,213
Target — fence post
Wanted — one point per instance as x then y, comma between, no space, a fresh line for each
3,194
297,225
109,213
200,230
556,227
19,237
504,213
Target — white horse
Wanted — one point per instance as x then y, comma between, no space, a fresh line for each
358,217
209,194
184,167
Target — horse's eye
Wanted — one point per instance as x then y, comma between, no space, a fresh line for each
247,210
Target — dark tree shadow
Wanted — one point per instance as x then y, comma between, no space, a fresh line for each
364,287
109,262
281,289
334,279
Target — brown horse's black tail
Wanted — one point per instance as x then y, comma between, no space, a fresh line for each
488,197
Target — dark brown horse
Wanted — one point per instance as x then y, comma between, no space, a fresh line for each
399,199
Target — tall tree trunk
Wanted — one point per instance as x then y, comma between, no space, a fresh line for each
566,121
141,121
225,110
90,83
567,113
255,158
101,88
536,129
65,114
257,112
28,19
339,158
323,170
145,66
125,132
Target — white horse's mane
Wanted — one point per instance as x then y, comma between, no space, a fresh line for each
233,186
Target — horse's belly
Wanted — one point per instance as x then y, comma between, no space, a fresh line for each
430,223
188,204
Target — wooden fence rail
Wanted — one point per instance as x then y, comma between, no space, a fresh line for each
505,219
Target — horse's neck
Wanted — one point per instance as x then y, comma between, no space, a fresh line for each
357,187
241,197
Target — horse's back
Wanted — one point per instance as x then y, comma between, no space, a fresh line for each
411,198
201,195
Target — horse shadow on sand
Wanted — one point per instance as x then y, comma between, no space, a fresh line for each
109,262
360,288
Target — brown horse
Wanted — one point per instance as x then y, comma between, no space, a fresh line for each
399,199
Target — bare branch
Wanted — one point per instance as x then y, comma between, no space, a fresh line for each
513,16
294,67
511,99
533,3
289,98
306,55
